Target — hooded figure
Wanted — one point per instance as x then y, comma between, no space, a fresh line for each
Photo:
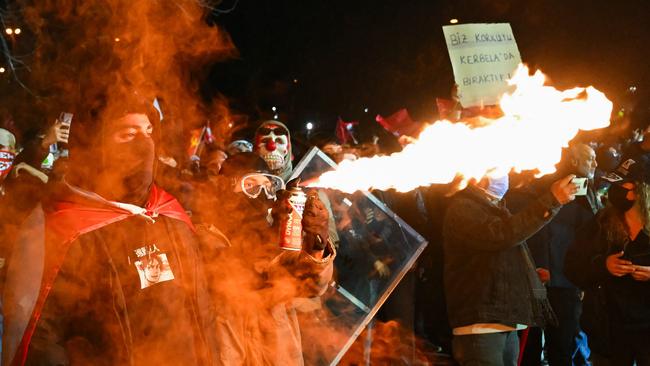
259,288
119,280
273,144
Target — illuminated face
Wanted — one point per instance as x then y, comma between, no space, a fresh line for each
272,143
128,127
585,161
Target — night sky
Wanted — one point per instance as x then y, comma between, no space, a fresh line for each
317,60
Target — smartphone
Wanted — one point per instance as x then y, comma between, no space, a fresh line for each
65,119
581,183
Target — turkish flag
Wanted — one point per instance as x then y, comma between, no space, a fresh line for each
344,132
399,123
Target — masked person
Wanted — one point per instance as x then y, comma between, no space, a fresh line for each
94,300
491,285
7,155
610,260
259,286
273,144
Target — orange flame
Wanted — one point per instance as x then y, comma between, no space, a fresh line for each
538,122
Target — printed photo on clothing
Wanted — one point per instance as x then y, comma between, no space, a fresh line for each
153,266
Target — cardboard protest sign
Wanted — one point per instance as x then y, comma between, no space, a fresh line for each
484,57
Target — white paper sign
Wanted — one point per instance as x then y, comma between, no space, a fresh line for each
484,57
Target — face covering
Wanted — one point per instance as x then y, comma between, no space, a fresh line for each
617,195
132,165
6,161
497,187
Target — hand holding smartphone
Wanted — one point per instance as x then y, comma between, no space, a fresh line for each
581,184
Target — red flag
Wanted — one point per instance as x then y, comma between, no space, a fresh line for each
344,131
447,108
76,216
487,111
399,123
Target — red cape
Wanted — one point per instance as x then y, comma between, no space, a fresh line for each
70,218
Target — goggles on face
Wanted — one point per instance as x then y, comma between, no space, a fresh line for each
253,184
263,131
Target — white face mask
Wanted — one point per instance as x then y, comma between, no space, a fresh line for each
497,186
6,161
274,149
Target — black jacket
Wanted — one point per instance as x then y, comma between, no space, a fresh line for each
131,292
486,276
627,301
550,244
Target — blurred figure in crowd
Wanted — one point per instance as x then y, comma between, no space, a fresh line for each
239,146
610,260
549,247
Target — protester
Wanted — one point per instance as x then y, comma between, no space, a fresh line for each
7,155
259,301
549,247
104,224
610,260
491,285
239,146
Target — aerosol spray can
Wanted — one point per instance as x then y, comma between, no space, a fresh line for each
291,226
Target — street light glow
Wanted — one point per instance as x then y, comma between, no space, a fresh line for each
365,110
17,31
274,109
453,21
275,116
309,126
2,70
9,31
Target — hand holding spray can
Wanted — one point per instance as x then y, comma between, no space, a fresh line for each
291,224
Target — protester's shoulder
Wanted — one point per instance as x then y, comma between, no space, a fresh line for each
463,202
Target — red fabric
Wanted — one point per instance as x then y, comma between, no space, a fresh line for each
70,219
399,123
343,131
523,338
488,111
445,108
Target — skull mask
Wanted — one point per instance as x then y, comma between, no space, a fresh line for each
7,152
273,144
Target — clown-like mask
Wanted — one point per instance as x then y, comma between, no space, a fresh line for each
6,161
272,143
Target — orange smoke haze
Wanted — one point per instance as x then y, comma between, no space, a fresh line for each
163,51
538,122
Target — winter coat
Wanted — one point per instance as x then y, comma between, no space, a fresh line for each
609,300
550,244
487,278
120,285
261,290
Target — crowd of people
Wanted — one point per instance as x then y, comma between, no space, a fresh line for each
115,253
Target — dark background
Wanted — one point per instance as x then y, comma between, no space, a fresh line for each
317,60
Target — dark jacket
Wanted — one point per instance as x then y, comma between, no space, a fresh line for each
106,306
550,244
487,279
627,301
